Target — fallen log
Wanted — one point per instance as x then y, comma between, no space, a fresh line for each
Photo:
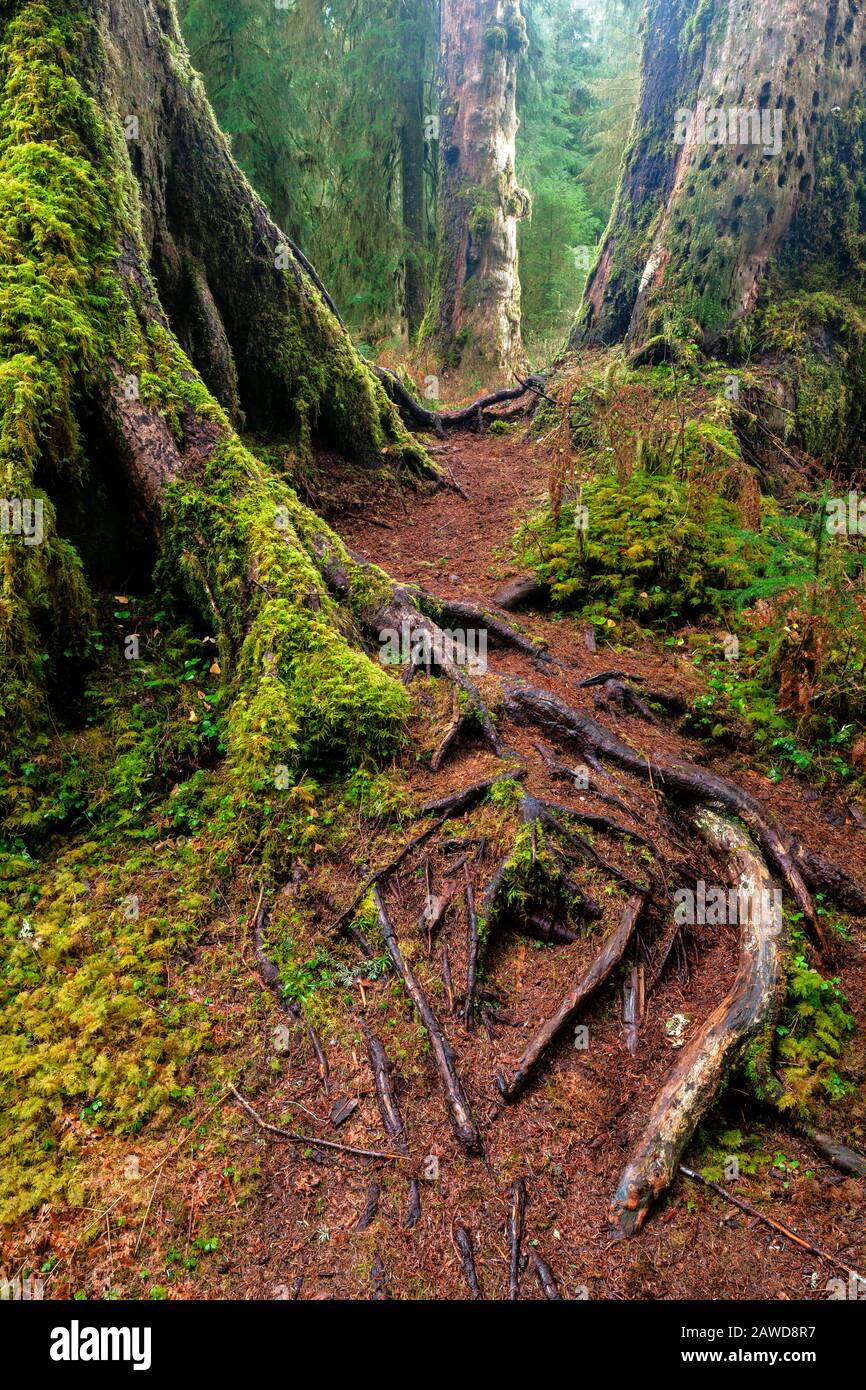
752,1003
602,966
459,1112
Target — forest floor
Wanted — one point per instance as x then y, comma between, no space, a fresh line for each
287,1227
569,1134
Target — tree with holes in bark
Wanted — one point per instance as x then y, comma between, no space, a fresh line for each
127,229
739,183
474,314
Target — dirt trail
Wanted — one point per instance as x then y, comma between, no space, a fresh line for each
568,1135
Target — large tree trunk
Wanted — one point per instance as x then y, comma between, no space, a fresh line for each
128,228
413,47
474,314
698,219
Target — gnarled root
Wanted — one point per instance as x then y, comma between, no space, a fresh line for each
524,702
752,1002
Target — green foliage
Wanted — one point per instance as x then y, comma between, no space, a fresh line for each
651,551
312,98
576,94
810,1034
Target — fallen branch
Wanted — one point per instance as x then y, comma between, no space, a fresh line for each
772,1223
308,1140
385,1093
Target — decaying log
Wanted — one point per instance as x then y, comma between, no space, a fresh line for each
524,588
604,963
545,1275
459,1112
751,1004
516,1218
385,1093
463,1241
837,1154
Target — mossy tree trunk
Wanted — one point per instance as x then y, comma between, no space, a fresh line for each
740,106
148,301
474,313
413,41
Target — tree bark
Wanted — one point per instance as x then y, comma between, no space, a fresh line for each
698,219
413,48
474,313
143,234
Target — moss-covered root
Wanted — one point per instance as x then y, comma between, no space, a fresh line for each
86,332
752,1002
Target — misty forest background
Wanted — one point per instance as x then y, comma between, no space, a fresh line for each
316,100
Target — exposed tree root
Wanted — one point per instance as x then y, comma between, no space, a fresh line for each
468,417
459,1112
524,703
389,1108
546,1034
413,1211
463,1241
545,1276
471,955
516,1218
752,1002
